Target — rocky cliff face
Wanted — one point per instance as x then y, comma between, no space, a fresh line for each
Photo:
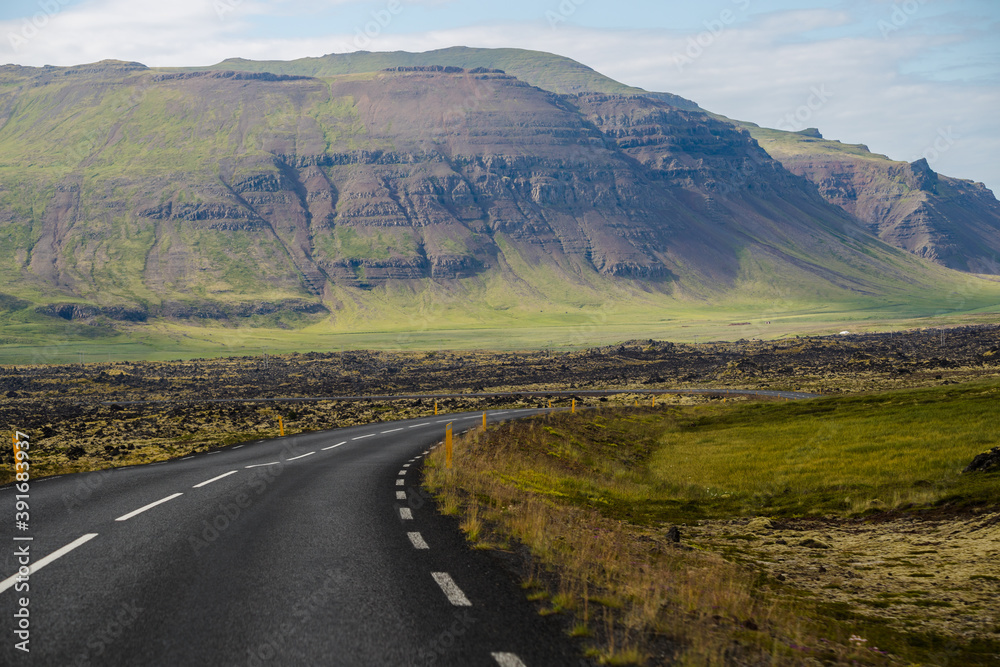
950,221
160,194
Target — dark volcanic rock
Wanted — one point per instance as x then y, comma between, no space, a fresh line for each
985,462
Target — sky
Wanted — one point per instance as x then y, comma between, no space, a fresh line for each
907,78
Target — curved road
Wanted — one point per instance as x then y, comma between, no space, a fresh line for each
312,549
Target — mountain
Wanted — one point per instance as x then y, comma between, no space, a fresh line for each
129,194
548,71
951,221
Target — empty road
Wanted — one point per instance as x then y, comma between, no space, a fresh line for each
314,549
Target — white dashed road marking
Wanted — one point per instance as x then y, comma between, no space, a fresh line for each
393,430
261,465
405,513
126,517
401,495
238,446
337,445
295,458
214,479
400,482
417,540
39,564
402,472
507,660
451,589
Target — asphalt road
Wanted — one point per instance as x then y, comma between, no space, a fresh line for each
314,549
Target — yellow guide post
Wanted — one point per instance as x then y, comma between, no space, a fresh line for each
484,420
447,445
550,404
435,407
573,409
654,401
281,426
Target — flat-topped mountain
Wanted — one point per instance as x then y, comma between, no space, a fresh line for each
132,193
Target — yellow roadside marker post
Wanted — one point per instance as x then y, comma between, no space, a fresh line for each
484,421
550,404
435,408
653,402
281,426
573,409
447,445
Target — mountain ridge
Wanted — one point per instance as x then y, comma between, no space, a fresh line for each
130,194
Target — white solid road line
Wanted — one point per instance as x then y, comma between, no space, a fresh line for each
39,564
262,465
126,517
362,437
401,495
400,482
405,513
394,430
451,589
337,445
417,540
507,660
214,479
301,456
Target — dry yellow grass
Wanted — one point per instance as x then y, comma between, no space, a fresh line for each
583,493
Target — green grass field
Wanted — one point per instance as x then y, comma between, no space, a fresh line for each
34,341
823,457
591,496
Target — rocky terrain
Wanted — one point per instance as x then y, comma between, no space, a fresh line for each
85,416
951,221
931,573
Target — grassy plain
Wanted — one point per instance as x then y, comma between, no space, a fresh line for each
838,530
28,338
